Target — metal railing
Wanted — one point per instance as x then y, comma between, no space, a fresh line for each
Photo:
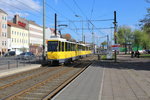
14,62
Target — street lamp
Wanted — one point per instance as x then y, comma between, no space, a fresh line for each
82,26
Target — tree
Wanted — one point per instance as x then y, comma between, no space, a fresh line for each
145,26
137,38
103,44
124,36
145,41
145,23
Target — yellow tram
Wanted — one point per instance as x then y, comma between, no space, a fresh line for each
60,50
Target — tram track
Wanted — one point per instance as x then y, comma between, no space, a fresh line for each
39,86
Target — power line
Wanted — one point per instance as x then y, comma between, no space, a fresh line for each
69,8
92,9
94,28
60,14
21,9
31,8
79,9
88,20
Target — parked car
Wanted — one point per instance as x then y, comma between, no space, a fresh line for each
26,56
10,53
147,51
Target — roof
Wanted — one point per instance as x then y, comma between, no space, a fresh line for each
34,23
52,29
58,39
2,11
14,25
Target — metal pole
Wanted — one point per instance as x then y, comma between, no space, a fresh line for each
55,24
115,33
84,38
82,32
43,30
107,42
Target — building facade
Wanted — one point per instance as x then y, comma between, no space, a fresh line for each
35,38
18,38
3,32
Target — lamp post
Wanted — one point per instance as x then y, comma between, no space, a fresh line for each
82,27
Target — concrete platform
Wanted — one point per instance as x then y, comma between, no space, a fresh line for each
11,71
85,87
128,79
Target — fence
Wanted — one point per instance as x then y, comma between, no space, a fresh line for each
14,62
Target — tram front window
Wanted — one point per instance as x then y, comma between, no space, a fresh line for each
52,45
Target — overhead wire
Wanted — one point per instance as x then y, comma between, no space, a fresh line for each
31,8
92,9
21,10
60,14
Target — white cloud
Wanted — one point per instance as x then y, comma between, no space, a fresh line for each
22,7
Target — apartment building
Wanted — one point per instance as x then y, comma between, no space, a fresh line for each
18,38
35,38
3,32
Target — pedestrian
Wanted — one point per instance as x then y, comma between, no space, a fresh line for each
138,54
132,54
135,54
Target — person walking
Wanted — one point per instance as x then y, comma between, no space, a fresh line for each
132,54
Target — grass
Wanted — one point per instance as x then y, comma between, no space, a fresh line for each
145,56
104,57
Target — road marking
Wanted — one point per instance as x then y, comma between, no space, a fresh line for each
101,88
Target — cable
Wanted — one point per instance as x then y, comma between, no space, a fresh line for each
69,8
92,9
31,8
60,14
18,8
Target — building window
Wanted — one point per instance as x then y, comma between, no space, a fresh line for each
5,26
2,25
2,17
2,34
12,39
5,43
17,33
12,32
2,43
5,18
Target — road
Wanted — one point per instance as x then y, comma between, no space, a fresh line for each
129,79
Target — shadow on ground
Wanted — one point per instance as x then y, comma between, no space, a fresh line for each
124,65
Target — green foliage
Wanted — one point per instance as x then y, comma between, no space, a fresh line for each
145,22
103,44
124,35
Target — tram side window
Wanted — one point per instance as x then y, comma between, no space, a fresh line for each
59,46
73,45
69,47
52,45
66,45
62,46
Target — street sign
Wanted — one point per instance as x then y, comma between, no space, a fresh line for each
115,47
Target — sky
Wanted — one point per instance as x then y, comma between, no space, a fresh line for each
75,13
